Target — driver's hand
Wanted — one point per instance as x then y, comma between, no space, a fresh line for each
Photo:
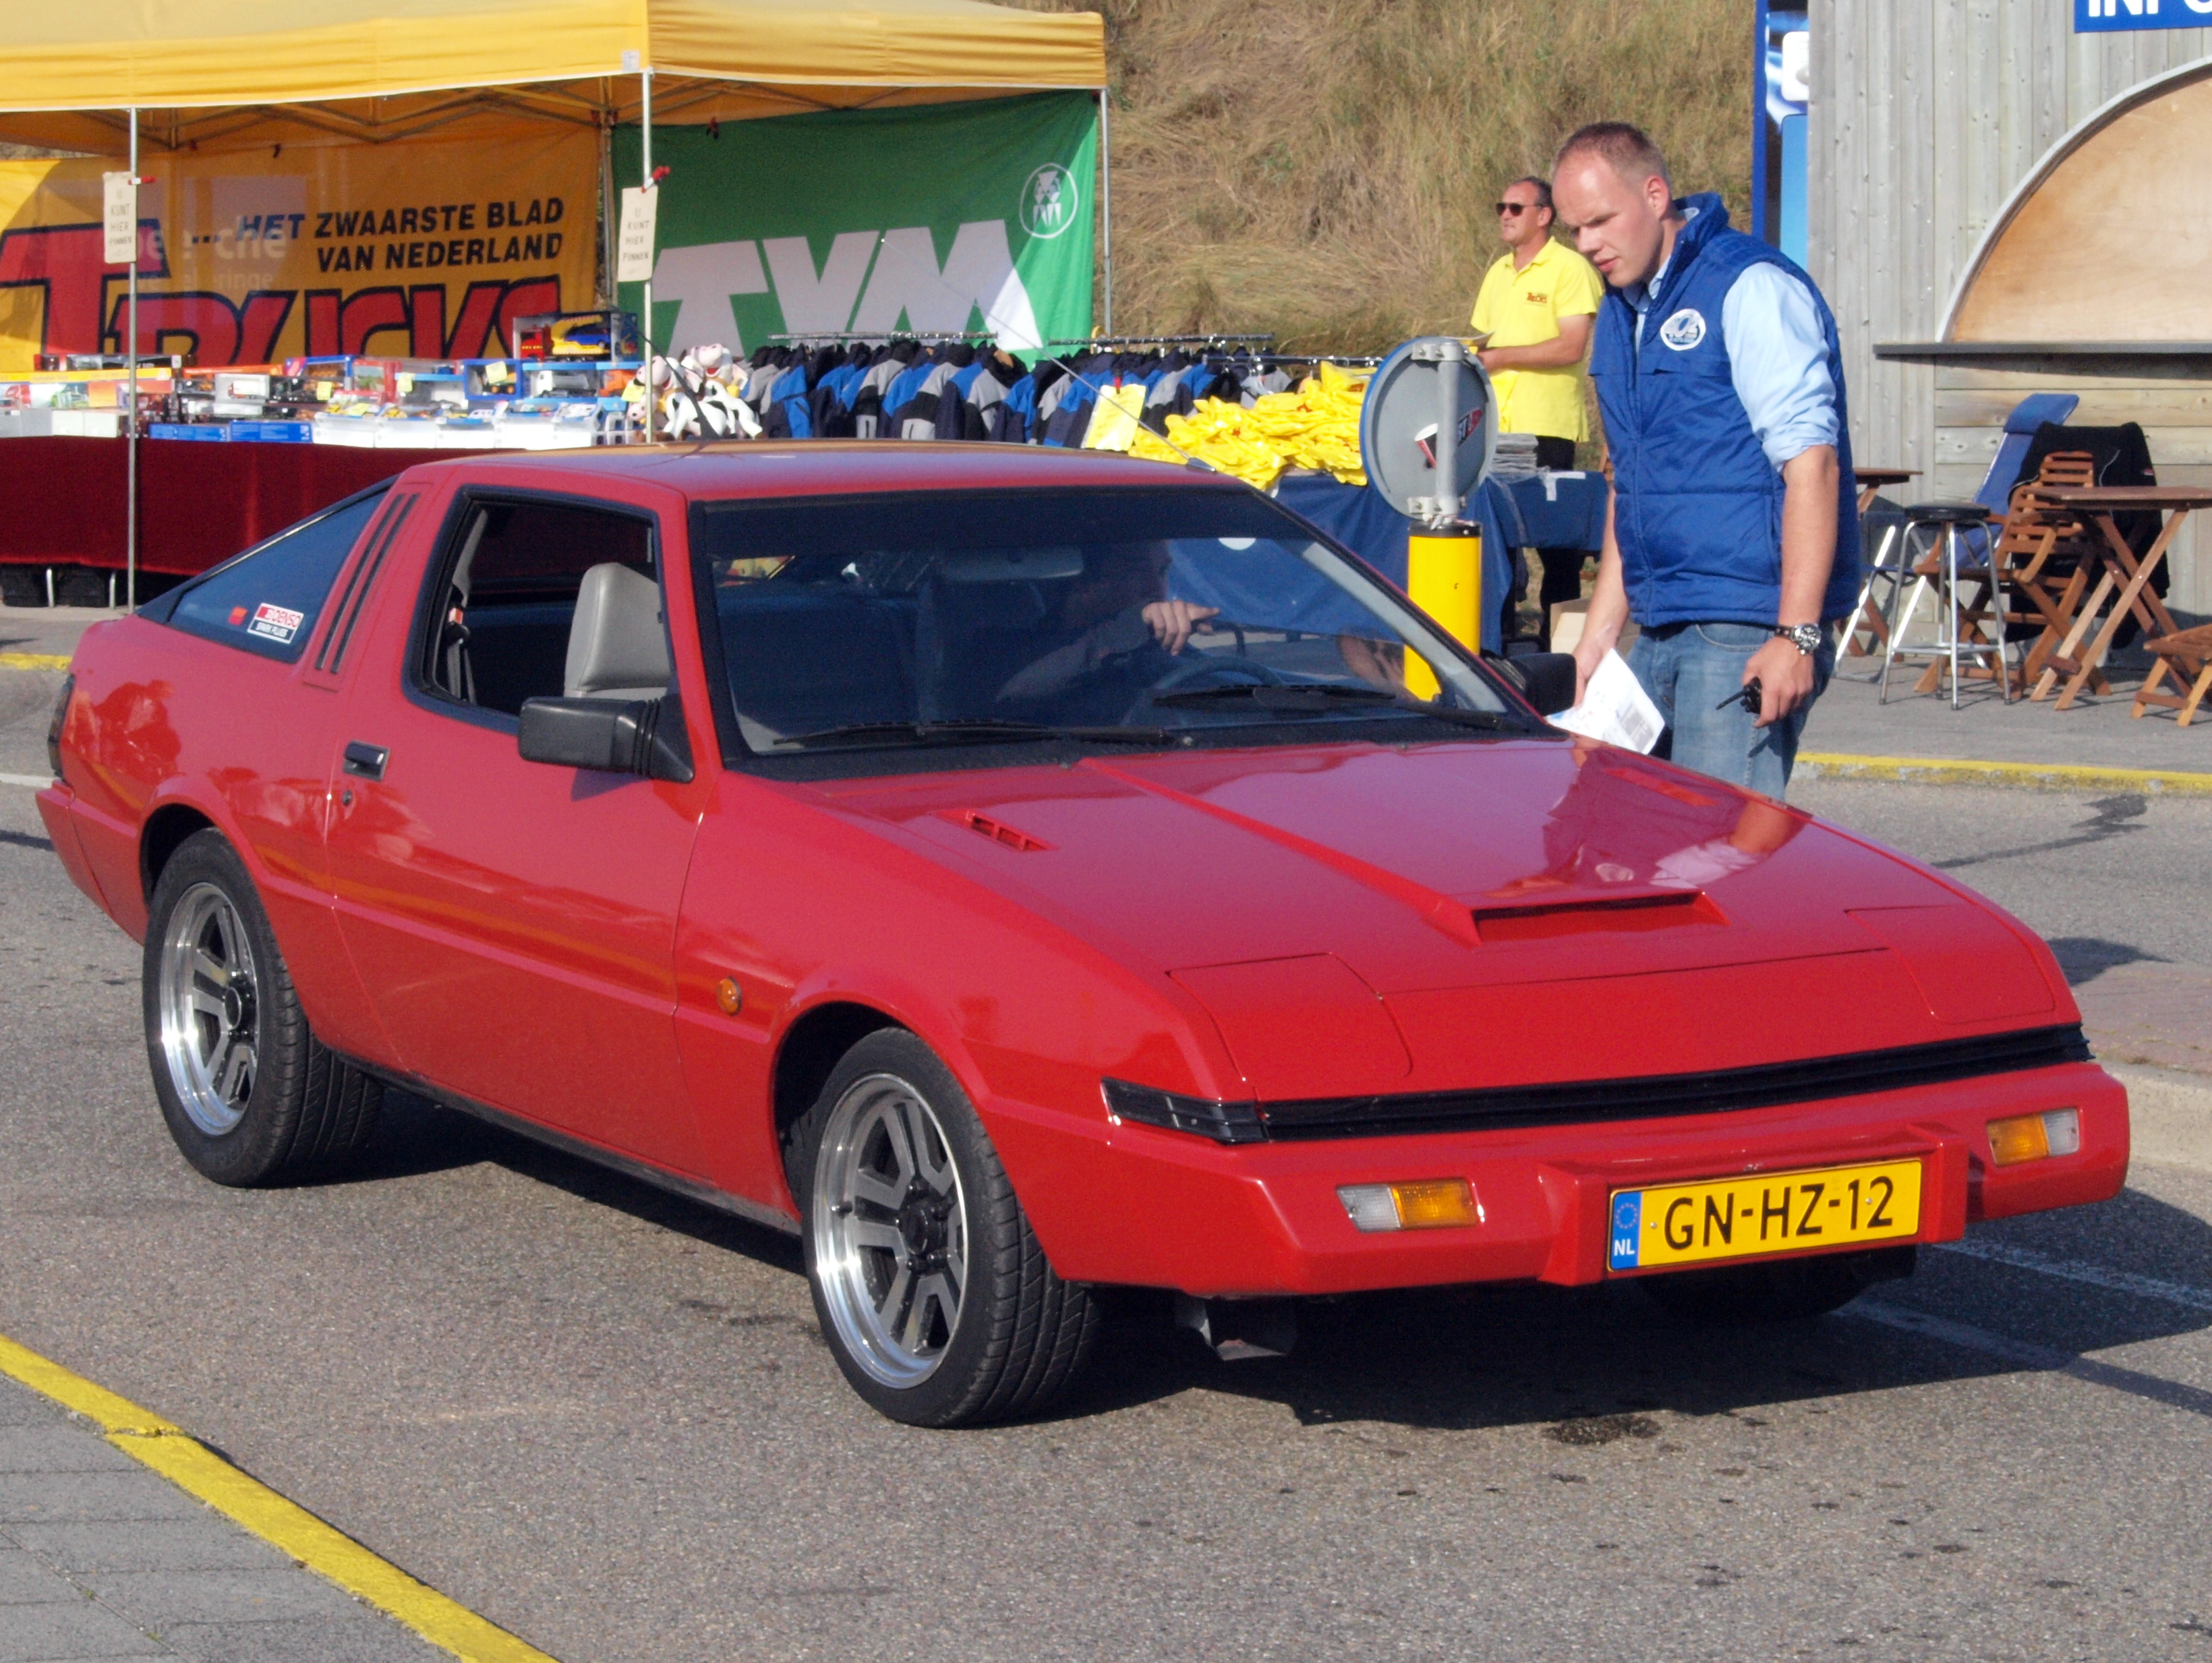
1173,621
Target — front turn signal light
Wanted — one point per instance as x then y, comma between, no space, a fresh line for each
1430,1204
2035,1137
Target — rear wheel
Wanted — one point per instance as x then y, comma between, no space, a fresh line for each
937,1302
1780,1291
250,1094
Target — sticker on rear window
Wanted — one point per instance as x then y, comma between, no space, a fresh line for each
278,623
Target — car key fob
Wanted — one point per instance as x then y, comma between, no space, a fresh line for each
1749,696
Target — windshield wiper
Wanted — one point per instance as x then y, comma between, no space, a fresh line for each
1324,695
983,730
1277,695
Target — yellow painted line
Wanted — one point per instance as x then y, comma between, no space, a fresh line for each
290,1528
2047,776
117,1417
34,661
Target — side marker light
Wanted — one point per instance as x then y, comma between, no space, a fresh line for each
1223,1122
1430,1204
2035,1137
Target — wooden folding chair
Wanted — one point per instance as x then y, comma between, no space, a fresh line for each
2047,557
2186,653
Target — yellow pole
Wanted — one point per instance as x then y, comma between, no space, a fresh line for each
1443,577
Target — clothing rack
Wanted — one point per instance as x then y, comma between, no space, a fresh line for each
1163,340
825,336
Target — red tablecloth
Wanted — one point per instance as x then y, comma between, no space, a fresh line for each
199,502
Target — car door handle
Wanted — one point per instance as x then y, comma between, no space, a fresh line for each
366,759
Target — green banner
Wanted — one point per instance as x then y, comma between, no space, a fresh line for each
943,217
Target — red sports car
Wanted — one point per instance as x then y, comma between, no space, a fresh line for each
1018,872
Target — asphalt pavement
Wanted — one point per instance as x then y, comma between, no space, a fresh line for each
604,1417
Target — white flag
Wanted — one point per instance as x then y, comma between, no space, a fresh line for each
634,258
121,218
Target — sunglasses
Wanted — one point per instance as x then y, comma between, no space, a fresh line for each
1518,206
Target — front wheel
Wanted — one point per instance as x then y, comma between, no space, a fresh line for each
251,1095
936,1299
1780,1291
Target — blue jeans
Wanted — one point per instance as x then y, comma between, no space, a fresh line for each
1688,668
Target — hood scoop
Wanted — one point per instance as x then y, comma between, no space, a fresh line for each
1614,915
997,831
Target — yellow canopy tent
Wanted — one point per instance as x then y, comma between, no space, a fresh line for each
108,77
230,73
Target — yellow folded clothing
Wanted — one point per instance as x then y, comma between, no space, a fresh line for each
1218,433
1316,426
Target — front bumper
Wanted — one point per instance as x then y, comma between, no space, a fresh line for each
1130,1203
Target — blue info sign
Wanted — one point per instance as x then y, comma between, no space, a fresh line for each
2106,16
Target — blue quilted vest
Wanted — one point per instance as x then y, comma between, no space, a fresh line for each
1697,505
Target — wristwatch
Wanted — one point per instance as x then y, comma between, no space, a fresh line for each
1805,637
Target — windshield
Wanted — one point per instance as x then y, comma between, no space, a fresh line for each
1131,616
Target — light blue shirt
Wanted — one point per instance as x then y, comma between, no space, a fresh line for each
1778,358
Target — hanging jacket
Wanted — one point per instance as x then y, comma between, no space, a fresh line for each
1697,504
868,399
1019,418
829,405
1070,416
1008,422
789,415
916,418
898,397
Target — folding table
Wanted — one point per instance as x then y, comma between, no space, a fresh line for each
2125,581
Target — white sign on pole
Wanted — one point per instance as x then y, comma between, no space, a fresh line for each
120,218
633,258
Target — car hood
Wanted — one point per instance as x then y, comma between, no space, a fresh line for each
1452,884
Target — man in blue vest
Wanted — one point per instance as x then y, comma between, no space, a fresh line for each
1732,537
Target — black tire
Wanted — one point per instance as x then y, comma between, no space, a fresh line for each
286,1109
1020,1333
1780,1291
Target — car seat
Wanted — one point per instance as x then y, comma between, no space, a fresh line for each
618,646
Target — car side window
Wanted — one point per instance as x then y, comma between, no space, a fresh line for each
505,596
267,599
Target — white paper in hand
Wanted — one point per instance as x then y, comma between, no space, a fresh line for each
1615,709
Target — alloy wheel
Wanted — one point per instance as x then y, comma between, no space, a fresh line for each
891,1230
210,1016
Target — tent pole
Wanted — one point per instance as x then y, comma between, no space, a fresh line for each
609,201
645,323
130,409
1106,201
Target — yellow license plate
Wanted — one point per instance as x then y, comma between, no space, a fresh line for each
1765,1212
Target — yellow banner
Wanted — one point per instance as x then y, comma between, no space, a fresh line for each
420,250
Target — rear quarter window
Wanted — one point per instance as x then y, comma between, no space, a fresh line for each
266,600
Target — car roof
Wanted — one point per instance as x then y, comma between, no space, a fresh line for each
822,467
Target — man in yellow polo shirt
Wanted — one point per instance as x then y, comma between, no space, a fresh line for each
1537,305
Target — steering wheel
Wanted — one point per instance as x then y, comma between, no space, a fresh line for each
1205,667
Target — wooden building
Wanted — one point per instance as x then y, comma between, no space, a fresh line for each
1999,205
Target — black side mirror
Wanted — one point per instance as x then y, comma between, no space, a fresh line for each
1546,680
613,736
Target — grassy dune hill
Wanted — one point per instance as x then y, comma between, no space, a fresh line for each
1325,168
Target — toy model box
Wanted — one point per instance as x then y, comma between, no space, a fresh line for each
576,335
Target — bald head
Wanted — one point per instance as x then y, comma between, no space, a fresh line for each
1610,184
